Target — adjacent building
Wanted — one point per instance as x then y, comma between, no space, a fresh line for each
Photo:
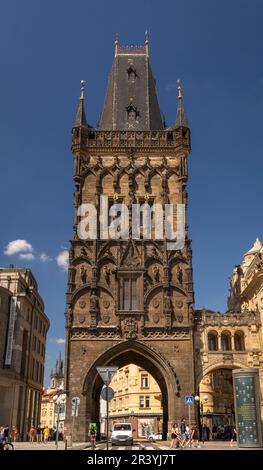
24,326
137,399
224,342
49,410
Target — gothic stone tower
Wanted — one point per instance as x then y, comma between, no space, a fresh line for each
129,301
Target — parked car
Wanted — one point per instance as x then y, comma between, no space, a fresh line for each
155,437
122,434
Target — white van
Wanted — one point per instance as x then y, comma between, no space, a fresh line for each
122,434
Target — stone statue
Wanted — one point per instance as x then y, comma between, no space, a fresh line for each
156,273
83,274
93,301
83,251
179,274
107,273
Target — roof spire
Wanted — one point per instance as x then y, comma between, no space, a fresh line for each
147,43
82,89
181,119
116,44
80,119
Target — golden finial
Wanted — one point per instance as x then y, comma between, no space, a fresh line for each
147,43
116,44
146,196
115,197
179,87
82,89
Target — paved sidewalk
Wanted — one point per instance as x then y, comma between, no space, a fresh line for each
51,445
162,445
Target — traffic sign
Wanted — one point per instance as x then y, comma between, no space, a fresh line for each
189,400
110,393
107,373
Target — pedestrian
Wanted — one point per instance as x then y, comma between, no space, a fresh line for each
183,428
92,434
6,433
46,434
32,434
195,436
206,432
214,432
15,434
39,434
187,436
233,435
173,436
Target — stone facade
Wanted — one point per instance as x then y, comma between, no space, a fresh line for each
231,340
24,326
129,301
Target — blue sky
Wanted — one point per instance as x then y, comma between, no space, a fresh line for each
214,47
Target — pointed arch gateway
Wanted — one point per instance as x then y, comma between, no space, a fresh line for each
149,359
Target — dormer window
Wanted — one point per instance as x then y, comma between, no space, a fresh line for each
131,73
132,112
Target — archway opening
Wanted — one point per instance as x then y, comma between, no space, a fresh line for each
137,400
217,412
145,362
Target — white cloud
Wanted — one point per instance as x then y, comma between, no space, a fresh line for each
28,256
57,340
62,260
16,246
45,258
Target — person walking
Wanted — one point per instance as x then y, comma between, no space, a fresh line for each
195,436
46,434
93,437
39,434
233,435
32,434
173,436
183,429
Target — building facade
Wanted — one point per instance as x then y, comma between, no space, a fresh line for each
130,298
24,326
232,340
137,399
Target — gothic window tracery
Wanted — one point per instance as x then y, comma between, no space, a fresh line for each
129,292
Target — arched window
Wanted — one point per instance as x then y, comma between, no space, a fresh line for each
212,342
226,342
239,341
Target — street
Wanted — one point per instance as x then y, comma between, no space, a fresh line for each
138,446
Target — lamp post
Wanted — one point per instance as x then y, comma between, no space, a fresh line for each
197,400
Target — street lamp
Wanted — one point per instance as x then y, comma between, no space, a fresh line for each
197,399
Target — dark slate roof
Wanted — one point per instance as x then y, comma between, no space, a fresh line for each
181,119
80,119
131,101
